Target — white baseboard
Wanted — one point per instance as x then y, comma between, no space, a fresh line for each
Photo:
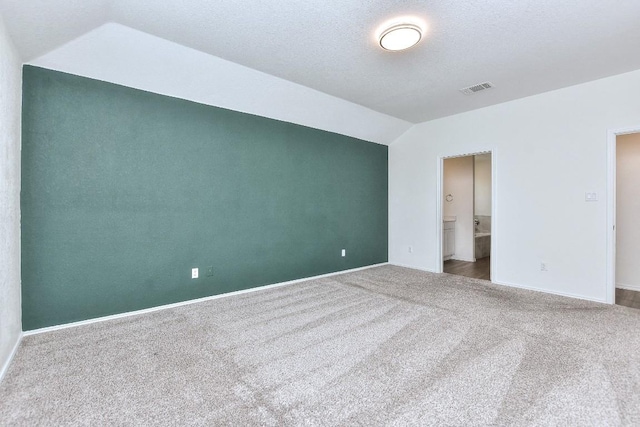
188,302
7,363
628,287
548,291
513,285
412,267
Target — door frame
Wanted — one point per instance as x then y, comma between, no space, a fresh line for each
439,206
612,135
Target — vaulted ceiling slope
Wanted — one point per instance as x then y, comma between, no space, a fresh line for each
523,47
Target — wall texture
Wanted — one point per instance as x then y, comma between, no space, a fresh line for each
10,82
125,191
458,181
628,211
548,150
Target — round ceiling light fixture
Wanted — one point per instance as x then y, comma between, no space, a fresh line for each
400,36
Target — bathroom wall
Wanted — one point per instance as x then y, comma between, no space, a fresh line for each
458,181
628,211
483,246
482,193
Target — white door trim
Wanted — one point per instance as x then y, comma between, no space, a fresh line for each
494,215
439,206
612,134
439,226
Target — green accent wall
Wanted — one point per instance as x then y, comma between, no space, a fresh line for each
124,191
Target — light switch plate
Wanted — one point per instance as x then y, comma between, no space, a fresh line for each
590,197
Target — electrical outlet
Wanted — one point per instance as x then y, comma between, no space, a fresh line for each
209,271
410,249
344,252
194,273
543,266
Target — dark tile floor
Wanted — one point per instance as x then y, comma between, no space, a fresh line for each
478,270
628,298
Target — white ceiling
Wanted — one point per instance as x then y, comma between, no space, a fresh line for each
524,47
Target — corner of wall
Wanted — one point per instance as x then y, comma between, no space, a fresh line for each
10,146
4,368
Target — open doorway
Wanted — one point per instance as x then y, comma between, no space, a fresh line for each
467,215
626,277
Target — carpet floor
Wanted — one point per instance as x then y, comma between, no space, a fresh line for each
382,346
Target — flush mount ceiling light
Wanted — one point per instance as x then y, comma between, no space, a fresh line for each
400,36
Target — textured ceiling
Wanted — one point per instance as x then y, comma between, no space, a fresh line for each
524,47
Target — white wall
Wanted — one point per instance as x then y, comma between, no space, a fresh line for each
10,105
119,54
482,191
628,211
548,150
458,181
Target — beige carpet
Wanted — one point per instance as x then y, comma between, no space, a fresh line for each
383,346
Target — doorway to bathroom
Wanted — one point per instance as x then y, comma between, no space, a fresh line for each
626,210
467,215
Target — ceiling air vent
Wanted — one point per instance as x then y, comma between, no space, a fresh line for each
476,88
